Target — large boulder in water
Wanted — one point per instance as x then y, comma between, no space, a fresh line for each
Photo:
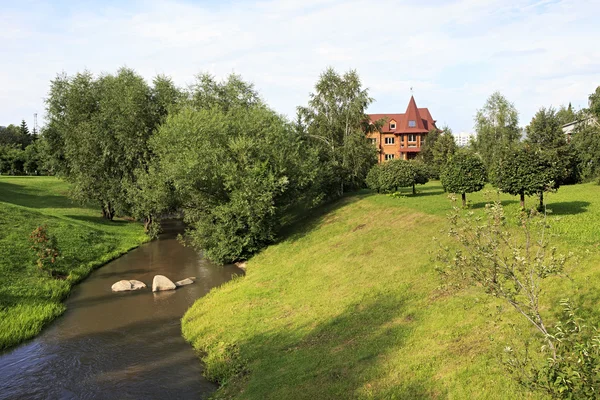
121,286
125,285
161,282
135,285
186,281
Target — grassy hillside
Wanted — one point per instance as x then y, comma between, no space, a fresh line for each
28,298
348,306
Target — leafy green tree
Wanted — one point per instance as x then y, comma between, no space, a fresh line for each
236,167
528,171
15,135
513,265
444,148
545,132
566,115
12,159
392,175
335,120
594,108
464,173
586,144
497,127
98,133
545,129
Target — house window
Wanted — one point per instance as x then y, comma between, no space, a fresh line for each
389,157
389,140
392,125
372,140
412,123
412,137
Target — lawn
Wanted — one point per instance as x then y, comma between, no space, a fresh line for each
348,305
29,298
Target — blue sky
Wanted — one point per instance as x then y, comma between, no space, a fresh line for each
453,53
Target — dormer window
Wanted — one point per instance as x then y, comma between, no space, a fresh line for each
392,126
412,123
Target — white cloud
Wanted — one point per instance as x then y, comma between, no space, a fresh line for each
454,53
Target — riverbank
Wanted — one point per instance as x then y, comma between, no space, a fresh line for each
28,298
347,305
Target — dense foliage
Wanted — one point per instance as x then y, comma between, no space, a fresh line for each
335,121
236,166
497,126
21,152
464,173
392,175
98,131
529,171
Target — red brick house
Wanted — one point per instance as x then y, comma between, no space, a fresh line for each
402,135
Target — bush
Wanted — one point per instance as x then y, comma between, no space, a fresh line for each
45,247
392,175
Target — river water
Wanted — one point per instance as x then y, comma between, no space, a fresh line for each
119,345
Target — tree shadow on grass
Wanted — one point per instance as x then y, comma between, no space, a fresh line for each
98,220
568,207
339,358
32,197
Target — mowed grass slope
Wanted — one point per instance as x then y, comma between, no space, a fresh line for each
29,299
348,306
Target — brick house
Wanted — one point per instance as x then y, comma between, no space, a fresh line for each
402,135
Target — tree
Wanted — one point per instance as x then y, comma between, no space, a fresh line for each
464,173
545,132
15,135
528,171
392,175
444,148
98,133
545,129
335,120
236,167
566,115
594,103
513,265
497,127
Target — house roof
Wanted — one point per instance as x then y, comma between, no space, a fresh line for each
422,117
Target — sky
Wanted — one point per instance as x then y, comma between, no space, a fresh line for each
453,54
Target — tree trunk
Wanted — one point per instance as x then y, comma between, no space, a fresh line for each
522,200
541,207
414,190
464,199
107,211
148,223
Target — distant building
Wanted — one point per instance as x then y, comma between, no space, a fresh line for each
463,139
402,135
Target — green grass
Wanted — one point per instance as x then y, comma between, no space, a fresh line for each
347,305
29,299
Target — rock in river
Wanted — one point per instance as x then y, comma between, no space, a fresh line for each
125,285
161,282
183,282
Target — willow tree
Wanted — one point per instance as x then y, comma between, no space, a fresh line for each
98,131
336,121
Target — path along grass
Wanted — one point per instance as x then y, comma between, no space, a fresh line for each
347,306
30,299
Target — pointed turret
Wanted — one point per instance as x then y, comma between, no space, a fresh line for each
413,121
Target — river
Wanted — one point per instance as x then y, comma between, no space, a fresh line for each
119,345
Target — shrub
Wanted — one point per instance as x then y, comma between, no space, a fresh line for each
45,247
